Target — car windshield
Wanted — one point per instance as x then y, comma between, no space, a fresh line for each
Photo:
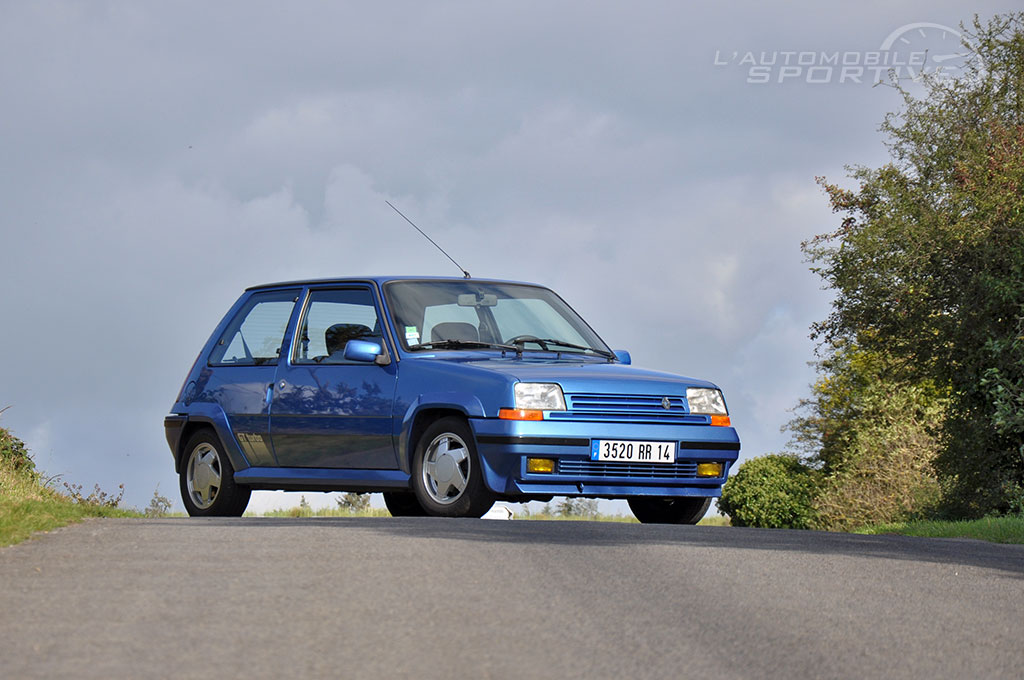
471,314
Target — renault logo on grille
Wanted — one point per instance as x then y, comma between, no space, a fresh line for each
665,403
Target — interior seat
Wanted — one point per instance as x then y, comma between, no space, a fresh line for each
454,330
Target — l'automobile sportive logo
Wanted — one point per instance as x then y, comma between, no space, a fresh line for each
909,52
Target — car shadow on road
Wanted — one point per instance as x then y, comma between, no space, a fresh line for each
967,552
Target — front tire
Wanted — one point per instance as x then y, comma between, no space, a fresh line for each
682,510
446,473
207,479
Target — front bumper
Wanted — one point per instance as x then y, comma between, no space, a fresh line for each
504,445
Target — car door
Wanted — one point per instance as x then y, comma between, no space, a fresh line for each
328,411
242,366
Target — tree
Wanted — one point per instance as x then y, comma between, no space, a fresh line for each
354,502
928,262
577,507
874,438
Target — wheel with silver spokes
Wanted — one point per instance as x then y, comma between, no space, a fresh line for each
207,479
446,468
203,475
447,476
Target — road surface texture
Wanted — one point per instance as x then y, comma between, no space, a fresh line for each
432,598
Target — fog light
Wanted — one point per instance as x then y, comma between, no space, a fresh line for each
709,469
542,465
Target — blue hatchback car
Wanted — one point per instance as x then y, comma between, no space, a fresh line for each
445,395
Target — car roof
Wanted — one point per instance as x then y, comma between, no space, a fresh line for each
380,280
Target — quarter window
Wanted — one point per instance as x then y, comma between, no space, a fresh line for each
256,333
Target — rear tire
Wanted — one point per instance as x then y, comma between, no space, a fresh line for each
403,504
207,479
446,472
682,510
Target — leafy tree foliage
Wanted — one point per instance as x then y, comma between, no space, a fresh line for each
354,502
928,263
873,438
578,507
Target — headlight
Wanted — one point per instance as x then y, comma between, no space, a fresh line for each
706,401
539,396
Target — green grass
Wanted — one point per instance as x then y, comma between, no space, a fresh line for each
576,518
300,511
994,529
27,506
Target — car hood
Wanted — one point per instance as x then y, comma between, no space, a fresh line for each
579,376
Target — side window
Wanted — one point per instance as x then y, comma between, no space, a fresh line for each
256,333
333,317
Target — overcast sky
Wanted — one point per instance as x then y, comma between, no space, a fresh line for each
653,162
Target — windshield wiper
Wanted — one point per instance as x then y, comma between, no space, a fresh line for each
544,342
461,344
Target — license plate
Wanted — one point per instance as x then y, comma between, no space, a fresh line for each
620,451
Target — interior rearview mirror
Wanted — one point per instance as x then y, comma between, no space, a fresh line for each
477,300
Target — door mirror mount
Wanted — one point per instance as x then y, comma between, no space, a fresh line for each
368,352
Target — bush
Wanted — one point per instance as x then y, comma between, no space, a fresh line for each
97,497
159,505
889,476
13,451
774,491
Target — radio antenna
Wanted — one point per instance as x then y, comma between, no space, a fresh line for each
464,272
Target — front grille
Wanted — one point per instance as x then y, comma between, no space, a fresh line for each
593,468
632,408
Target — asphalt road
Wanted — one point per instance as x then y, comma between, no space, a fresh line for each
431,598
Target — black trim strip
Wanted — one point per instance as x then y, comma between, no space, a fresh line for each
711,446
174,421
534,441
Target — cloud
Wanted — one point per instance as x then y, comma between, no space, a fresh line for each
158,159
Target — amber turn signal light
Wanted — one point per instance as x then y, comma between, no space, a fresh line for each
520,414
721,421
542,465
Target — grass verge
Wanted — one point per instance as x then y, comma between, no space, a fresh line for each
300,511
993,529
27,506
305,511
